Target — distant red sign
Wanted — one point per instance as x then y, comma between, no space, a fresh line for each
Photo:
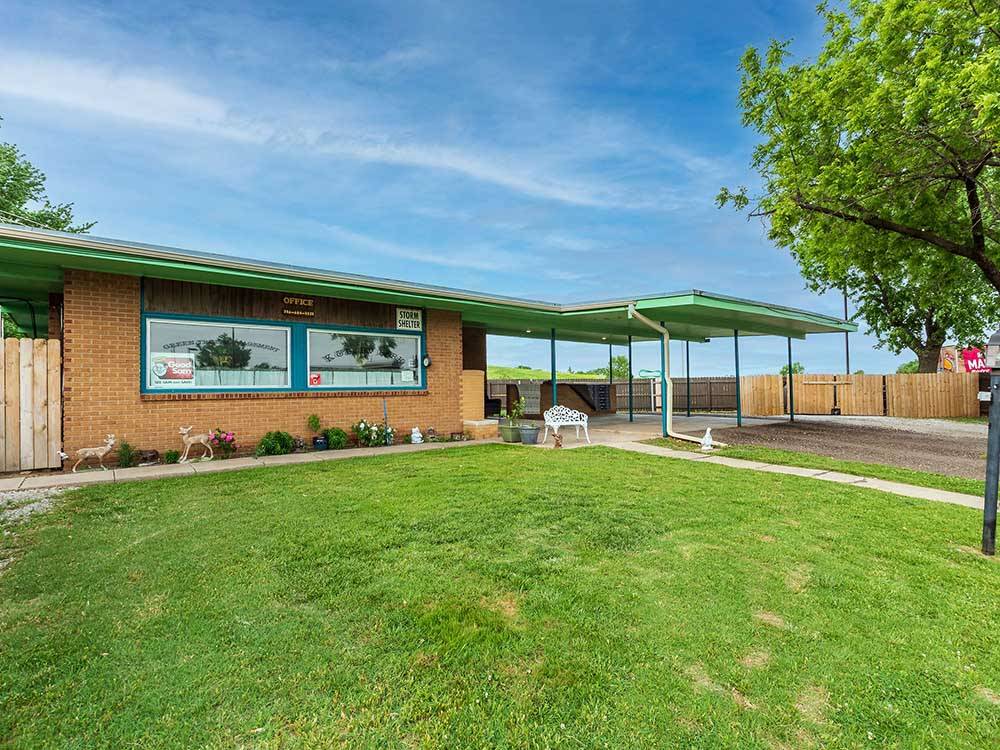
974,360
315,379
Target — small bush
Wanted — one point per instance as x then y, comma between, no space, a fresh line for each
275,443
336,438
127,455
224,442
171,457
373,434
314,424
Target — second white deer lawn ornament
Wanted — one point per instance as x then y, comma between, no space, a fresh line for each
189,440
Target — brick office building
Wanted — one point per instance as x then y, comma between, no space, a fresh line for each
153,338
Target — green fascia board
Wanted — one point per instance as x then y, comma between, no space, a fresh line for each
692,315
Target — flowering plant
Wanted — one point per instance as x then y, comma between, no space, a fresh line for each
224,442
373,434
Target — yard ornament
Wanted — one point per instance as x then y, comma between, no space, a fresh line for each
415,437
189,440
99,453
706,441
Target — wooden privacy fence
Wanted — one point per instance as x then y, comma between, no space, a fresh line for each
31,404
919,395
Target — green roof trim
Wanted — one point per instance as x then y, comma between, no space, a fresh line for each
34,261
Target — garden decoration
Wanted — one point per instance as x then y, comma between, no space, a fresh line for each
706,441
511,432
562,416
415,437
557,439
99,453
319,441
204,439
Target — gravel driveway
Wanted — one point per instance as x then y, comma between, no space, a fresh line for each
937,447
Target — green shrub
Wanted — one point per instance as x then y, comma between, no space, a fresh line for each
336,438
171,457
314,424
127,455
275,443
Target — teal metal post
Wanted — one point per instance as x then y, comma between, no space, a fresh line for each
791,384
739,405
555,386
631,415
611,365
663,383
687,373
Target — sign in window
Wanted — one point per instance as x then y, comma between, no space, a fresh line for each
202,355
342,359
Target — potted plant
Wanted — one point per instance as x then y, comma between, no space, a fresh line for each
529,434
511,432
319,437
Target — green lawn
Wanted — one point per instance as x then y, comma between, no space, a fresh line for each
496,596
859,468
505,372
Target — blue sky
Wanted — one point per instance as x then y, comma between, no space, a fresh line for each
561,151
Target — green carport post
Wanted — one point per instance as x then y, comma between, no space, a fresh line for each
687,374
664,391
631,416
791,385
555,387
739,405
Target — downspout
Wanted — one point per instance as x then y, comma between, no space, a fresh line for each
668,387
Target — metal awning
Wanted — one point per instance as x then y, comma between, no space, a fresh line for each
34,261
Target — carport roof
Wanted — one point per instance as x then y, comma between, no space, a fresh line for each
34,261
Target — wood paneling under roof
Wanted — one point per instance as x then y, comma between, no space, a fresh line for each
189,298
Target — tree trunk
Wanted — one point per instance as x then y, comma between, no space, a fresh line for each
927,357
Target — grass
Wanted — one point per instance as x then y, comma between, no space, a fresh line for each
505,372
858,468
983,419
492,596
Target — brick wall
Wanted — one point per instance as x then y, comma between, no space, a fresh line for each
101,382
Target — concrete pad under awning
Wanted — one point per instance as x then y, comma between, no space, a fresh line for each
648,426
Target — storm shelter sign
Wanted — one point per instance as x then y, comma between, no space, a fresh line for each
409,319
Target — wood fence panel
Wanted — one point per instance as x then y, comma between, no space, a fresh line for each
12,401
39,404
813,394
863,397
932,395
3,404
762,395
30,404
54,416
27,414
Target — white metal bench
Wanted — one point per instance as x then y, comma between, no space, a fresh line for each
562,416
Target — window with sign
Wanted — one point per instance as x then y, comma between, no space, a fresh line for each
202,355
358,359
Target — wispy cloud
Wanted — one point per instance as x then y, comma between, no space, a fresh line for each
159,100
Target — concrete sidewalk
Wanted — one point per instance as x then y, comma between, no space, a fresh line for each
163,471
896,488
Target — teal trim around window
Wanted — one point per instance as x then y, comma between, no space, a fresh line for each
299,363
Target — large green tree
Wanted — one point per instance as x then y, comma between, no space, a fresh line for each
23,199
878,160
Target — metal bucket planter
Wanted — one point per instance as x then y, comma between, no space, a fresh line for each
320,443
510,433
529,434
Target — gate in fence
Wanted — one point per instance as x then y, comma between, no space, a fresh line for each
30,404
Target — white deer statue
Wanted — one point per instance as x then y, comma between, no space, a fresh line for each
190,440
99,453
